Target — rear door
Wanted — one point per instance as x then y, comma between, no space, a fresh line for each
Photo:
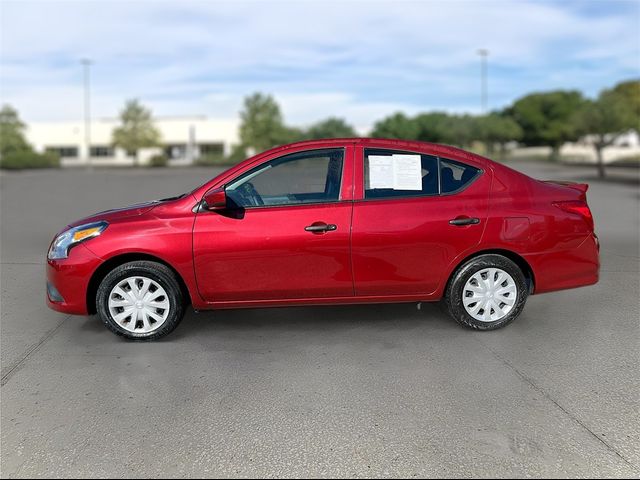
285,233
403,240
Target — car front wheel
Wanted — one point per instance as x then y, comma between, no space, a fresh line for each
140,300
487,292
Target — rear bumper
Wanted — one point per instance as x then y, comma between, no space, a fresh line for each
577,267
68,280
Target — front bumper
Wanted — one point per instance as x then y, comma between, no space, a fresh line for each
68,280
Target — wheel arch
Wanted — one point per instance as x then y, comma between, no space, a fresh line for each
113,262
516,258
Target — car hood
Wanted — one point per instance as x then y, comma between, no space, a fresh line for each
124,212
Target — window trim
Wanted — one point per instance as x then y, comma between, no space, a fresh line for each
438,158
303,204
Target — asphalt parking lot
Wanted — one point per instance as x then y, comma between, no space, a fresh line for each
354,391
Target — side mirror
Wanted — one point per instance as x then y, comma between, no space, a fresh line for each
215,199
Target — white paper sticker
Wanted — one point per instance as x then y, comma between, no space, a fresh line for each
380,171
398,171
407,172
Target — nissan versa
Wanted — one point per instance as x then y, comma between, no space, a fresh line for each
331,222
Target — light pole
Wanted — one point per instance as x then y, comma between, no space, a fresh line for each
484,53
86,63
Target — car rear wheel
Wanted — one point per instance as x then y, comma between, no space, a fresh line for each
140,300
487,292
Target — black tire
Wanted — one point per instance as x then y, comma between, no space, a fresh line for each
157,272
455,291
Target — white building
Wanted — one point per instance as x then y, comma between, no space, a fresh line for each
187,138
183,140
626,146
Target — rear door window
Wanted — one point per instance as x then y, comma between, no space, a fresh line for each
418,176
454,176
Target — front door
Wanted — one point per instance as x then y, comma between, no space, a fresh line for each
284,235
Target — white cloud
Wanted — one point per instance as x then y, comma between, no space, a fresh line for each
358,60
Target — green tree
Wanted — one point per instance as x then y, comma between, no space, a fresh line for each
547,118
330,128
137,130
613,113
459,130
397,126
261,123
496,129
15,151
439,127
630,92
291,134
11,132
238,153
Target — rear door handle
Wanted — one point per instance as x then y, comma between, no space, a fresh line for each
462,221
321,227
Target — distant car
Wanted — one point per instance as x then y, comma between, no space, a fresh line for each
331,222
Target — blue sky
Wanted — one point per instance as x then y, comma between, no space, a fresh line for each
358,60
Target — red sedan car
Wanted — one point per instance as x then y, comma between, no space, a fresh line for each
331,222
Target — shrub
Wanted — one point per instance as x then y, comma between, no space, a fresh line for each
158,161
29,159
629,160
211,160
237,155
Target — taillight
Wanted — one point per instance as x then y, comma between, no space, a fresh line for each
577,207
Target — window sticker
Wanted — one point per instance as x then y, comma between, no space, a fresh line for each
380,171
407,172
398,172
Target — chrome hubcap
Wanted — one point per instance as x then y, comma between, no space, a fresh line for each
139,304
489,295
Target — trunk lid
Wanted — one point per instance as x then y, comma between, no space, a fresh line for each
580,187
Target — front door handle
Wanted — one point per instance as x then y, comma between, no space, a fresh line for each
462,221
321,227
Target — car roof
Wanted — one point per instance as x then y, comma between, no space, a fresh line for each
437,149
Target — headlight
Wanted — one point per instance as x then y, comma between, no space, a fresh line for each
62,243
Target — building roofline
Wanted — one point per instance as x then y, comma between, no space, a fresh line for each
155,119
161,117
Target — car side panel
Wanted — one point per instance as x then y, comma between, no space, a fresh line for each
560,247
267,254
165,233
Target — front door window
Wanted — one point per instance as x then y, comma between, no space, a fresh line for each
300,178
